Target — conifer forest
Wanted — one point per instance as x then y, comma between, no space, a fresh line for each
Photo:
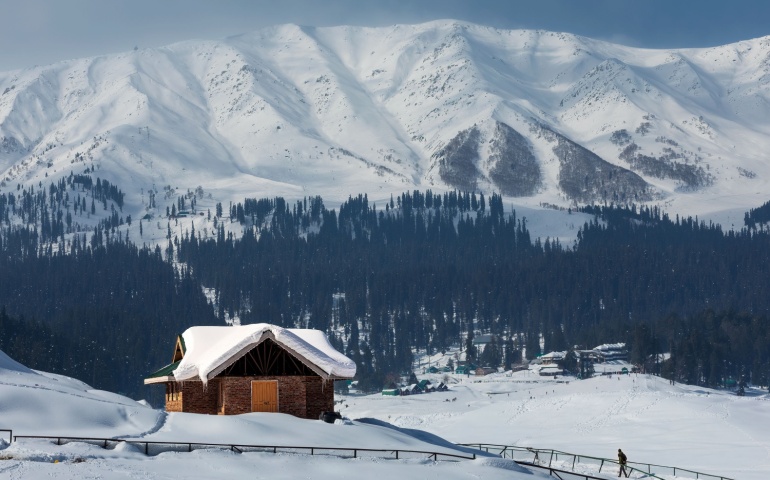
424,271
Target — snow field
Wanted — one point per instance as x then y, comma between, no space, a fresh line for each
654,422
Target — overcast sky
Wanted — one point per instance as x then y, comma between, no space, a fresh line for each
38,32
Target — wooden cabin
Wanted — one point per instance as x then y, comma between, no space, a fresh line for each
231,370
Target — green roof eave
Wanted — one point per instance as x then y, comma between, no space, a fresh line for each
165,371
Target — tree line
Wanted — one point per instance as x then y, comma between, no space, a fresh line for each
423,271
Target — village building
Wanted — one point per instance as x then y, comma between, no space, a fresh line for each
481,341
552,358
482,371
231,370
611,351
551,370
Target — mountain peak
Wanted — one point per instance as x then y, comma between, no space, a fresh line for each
293,110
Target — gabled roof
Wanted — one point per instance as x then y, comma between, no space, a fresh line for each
179,349
164,372
207,351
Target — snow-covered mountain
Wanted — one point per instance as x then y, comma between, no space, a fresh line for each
541,117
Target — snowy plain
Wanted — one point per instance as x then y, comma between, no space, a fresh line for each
705,430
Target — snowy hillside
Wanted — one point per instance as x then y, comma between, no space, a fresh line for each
541,117
708,431
36,403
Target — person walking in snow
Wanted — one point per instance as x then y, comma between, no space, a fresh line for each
622,459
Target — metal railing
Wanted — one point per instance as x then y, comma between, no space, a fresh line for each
558,463
155,447
560,474
551,458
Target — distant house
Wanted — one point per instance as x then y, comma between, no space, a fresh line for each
481,371
392,392
465,368
552,358
442,387
413,389
425,386
484,339
252,368
611,351
433,369
550,370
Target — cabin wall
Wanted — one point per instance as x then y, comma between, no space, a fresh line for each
200,399
301,396
174,395
192,397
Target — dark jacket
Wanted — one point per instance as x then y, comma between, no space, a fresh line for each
622,457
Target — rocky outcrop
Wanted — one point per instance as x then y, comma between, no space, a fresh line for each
514,170
458,160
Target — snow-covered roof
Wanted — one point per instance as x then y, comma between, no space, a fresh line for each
549,368
209,350
610,346
554,355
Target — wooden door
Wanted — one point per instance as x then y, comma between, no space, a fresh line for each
264,396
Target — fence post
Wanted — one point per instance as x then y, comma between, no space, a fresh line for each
550,459
146,448
600,466
396,454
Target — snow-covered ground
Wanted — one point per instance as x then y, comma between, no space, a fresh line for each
653,421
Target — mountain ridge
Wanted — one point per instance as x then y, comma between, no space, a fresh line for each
294,111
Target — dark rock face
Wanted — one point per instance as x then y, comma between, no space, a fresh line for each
515,170
584,177
689,176
10,145
458,159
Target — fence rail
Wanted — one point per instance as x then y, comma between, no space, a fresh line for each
560,474
547,457
240,448
558,463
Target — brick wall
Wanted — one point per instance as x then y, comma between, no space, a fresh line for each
197,399
291,395
320,396
304,397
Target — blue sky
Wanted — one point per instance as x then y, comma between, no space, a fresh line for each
37,32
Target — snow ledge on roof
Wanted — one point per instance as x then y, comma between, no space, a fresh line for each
209,348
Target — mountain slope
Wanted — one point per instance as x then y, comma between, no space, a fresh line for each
543,117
